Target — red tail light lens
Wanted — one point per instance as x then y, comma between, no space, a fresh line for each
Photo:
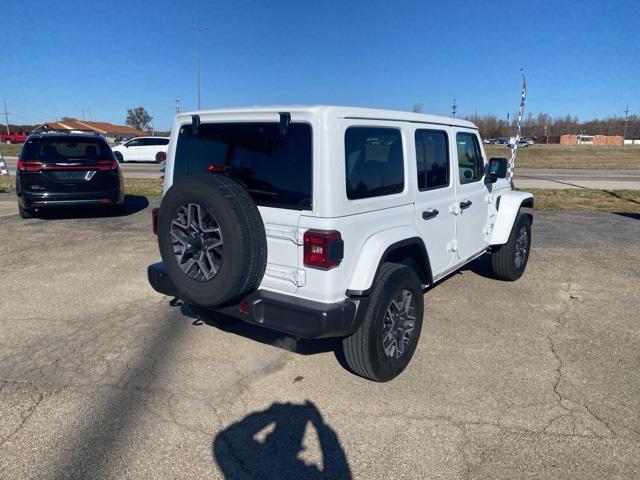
154,220
29,165
323,249
215,168
36,166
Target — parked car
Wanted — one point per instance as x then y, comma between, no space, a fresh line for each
10,138
490,141
142,149
60,169
331,221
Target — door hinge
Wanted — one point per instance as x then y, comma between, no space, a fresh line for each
294,275
284,232
452,246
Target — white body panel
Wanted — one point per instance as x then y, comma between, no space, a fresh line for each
136,149
368,226
510,202
472,221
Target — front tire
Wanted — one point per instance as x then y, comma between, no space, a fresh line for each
509,261
386,340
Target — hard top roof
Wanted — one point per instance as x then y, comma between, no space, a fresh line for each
341,112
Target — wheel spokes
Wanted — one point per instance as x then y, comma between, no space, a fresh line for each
197,241
398,324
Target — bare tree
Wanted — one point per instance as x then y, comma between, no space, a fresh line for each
138,118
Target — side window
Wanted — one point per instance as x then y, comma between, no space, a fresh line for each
470,162
374,164
134,143
163,141
432,156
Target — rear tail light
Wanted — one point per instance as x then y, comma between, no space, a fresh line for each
323,249
36,166
215,168
154,220
29,165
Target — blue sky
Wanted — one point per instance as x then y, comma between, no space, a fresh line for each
60,58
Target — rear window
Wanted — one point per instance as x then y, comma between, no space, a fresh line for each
275,169
63,149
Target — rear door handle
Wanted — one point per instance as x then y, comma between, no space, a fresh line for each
431,213
465,204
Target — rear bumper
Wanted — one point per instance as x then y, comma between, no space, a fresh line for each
284,313
35,200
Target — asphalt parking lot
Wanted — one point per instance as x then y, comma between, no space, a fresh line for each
101,378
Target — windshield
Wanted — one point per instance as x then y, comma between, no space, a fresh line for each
274,168
65,149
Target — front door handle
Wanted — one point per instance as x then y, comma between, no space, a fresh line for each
465,204
431,213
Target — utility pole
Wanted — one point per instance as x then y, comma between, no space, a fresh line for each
6,116
546,136
454,108
198,35
177,105
626,120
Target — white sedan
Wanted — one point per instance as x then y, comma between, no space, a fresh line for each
142,149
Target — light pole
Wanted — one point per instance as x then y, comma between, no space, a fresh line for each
626,120
198,35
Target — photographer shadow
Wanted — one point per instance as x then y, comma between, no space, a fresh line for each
267,444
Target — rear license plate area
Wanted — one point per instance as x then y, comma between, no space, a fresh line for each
72,176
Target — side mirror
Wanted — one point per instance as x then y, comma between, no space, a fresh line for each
497,169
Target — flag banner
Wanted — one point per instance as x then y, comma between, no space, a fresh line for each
3,166
514,144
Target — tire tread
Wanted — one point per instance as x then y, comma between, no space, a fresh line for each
356,347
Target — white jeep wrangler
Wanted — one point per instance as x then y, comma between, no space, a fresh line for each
331,221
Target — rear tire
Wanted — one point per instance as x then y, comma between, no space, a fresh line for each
119,157
118,209
509,261
8,142
25,212
369,351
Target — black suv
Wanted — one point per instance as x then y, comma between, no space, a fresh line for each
67,169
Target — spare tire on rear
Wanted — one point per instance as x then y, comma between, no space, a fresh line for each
212,240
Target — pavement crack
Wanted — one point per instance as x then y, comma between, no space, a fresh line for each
24,420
